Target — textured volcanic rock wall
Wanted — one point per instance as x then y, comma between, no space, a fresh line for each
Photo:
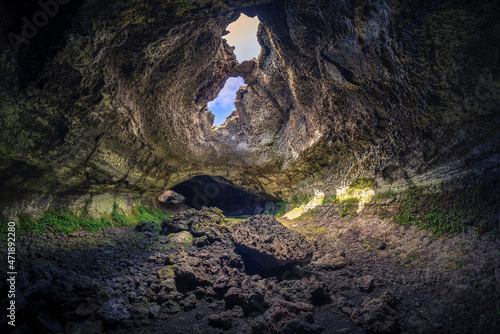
111,97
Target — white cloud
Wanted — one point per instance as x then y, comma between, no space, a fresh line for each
227,95
223,105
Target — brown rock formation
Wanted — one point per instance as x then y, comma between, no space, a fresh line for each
111,97
268,245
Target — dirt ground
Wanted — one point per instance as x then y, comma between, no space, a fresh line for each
449,284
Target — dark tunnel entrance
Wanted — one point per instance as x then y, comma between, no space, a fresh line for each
216,191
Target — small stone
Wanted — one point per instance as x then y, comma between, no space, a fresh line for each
174,225
170,307
165,272
183,238
168,285
188,303
154,311
155,287
365,283
223,320
201,241
213,306
330,262
286,317
139,312
377,315
113,312
238,311
132,296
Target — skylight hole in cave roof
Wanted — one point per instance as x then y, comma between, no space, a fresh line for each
243,36
223,105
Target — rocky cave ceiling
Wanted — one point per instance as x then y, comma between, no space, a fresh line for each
112,96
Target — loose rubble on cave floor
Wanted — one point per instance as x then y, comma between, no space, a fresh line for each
188,276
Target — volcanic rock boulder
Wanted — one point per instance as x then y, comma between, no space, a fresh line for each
171,197
112,312
207,225
267,245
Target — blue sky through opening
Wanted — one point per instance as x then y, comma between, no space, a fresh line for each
223,105
243,36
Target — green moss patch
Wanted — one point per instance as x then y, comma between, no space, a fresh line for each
442,212
66,221
364,183
60,221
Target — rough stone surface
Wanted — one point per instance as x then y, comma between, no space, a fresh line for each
113,312
206,222
182,238
222,320
114,98
268,244
329,262
377,315
286,317
171,197
145,227
365,283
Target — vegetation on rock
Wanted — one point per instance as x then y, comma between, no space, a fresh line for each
66,221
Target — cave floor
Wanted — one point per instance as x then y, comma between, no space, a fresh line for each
442,284
379,277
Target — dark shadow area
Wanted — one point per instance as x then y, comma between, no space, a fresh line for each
282,273
214,191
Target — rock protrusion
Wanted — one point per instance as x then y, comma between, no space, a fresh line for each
268,245
171,197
